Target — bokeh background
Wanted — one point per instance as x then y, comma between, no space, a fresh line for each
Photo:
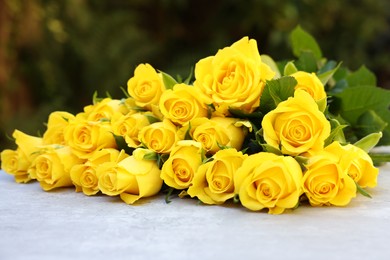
54,54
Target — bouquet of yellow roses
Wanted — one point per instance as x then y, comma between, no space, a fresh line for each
269,135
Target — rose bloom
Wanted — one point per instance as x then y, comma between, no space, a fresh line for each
310,83
130,178
213,182
356,162
326,183
146,86
104,109
215,132
56,124
296,125
86,137
159,137
235,77
84,176
52,166
266,180
129,127
182,104
15,163
184,160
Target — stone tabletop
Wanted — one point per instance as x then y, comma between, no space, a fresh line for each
63,224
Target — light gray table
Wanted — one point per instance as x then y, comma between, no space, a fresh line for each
66,225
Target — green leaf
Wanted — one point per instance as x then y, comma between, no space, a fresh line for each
302,161
337,133
362,191
124,91
368,142
236,198
352,103
369,122
322,103
168,80
379,158
307,62
189,78
170,191
151,156
272,64
303,41
241,114
152,119
289,69
122,145
361,77
188,136
95,98
327,75
270,149
276,91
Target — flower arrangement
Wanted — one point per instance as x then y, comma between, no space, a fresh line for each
269,135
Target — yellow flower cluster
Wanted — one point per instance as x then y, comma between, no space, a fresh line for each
187,137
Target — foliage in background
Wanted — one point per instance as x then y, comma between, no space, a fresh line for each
55,54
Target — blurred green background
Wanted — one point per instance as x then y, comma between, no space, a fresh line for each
55,53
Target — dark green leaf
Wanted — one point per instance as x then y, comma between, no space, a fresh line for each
170,191
122,145
354,102
189,78
337,133
361,77
152,119
276,91
379,158
307,62
241,114
325,76
369,122
303,41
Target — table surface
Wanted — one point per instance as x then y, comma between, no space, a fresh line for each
63,224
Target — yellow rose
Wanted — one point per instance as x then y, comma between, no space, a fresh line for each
326,183
184,160
296,125
86,137
215,132
104,109
129,127
182,104
56,124
213,182
310,83
15,163
266,180
146,86
356,162
52,166
84,175
130,178
27,150
235,77
159,137
27,145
